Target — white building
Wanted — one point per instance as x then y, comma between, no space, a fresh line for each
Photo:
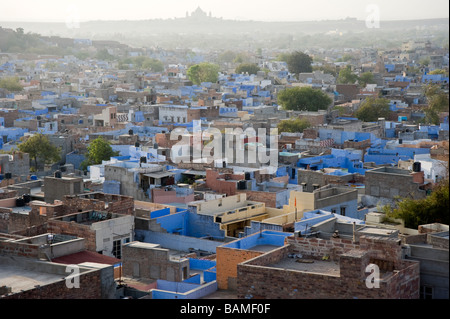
433,169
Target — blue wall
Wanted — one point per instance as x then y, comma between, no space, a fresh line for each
203,226
210,275
351,208
75,159
201,264
174,223
160,213
392,156
263,238
111,187
177,242
182,290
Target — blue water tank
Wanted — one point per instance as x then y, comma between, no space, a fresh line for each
33,177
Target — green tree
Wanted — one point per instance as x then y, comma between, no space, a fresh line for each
153,64
366,78
294,125
39,146
11,84
104,55
303,99
282,57
345,58
438,101
82,55
432,209
251,68
226,57
203,72
346,76
372,109
299,62
439,71
424,61
241,58
97,151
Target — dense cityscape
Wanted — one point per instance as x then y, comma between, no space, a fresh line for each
269,165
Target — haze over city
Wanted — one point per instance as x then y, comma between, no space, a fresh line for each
283,10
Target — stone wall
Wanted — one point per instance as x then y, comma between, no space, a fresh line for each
15,222
269,198
256,279
116,204
74,229
19,249
317,248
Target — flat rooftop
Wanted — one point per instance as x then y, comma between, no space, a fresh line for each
371,231
263,248
326,267
21,210
24,279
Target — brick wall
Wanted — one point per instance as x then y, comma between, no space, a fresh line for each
383,249
317,247
226,263
257,280
314,119
8,194
270,199
317,177
10,116
358,145
19,249
90,288
312,133
74,229
13,222
4,219
214,181
116,204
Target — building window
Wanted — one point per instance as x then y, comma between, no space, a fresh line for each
343,211
426,292
117,249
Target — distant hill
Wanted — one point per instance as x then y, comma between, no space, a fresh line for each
219,26
151,32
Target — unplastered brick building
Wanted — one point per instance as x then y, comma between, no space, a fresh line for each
314,268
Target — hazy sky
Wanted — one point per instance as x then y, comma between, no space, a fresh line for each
259,10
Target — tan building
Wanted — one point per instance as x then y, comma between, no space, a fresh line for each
233,213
